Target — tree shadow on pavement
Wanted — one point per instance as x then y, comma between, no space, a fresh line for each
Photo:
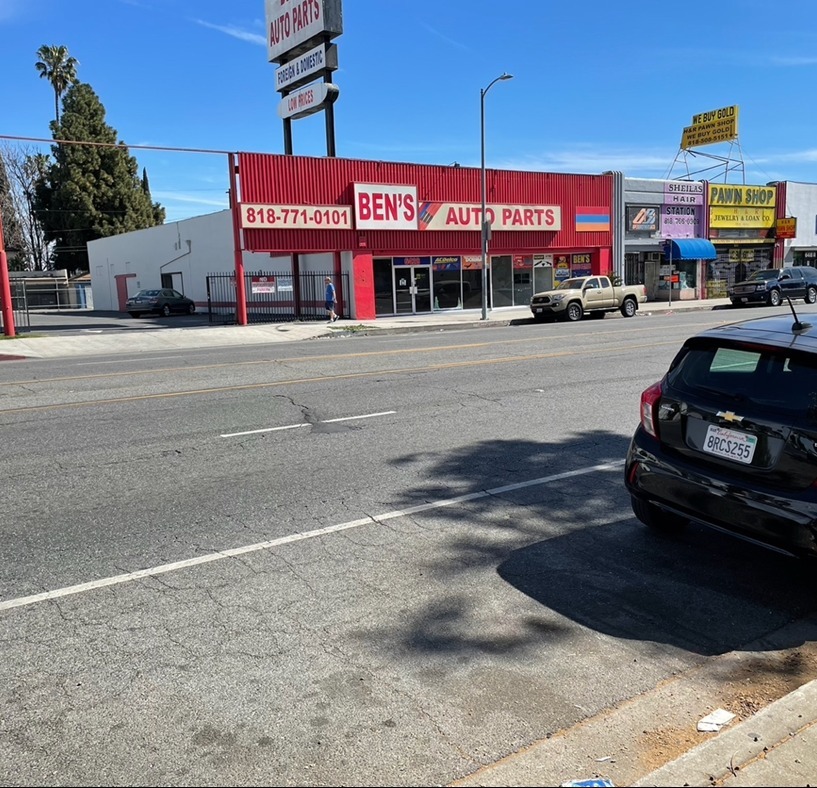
572,544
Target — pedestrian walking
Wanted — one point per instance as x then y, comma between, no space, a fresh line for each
331,300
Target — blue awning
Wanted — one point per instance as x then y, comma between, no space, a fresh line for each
690,249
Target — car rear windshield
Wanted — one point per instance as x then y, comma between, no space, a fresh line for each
148,293
774,381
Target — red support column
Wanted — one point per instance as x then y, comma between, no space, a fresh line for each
363,286
605,266
5,288
240,284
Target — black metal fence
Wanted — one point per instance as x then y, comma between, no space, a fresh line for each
19,308
275,297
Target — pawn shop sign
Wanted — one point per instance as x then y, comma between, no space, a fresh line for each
308,100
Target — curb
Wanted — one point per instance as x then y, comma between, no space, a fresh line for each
735,749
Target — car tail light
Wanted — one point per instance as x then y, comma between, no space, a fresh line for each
649,400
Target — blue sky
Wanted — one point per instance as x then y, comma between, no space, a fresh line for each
597,85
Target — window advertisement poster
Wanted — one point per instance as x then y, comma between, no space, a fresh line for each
642,220
561,267
581,264
680,221
446,263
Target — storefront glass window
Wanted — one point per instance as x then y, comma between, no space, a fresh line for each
542,278
447,290
522,280
472,287
383,291
687,274
502,281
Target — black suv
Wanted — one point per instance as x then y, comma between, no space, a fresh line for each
728,437
769,286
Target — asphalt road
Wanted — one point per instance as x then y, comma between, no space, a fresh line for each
354,561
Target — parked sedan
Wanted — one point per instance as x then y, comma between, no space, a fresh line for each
728,437
160,302
769,286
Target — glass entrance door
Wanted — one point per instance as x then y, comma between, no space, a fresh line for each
412,289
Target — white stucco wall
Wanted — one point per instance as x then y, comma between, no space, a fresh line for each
189,250
801,203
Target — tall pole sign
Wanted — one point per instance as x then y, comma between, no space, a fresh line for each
299,36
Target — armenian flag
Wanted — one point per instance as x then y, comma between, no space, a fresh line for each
592,219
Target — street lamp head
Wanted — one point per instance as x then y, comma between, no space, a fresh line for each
493,82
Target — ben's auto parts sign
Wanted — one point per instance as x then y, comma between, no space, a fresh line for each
741,206
389,207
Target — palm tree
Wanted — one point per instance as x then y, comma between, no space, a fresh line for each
59,69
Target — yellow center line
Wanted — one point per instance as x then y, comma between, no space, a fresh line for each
324,357
329,378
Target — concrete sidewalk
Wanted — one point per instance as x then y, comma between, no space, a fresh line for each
41,343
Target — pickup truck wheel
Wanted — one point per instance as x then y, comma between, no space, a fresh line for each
574,312
629,307
774,298
811,294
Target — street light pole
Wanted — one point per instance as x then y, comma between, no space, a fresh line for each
485,225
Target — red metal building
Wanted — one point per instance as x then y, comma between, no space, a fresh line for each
409,234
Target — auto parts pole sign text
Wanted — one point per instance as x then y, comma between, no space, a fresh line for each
293,26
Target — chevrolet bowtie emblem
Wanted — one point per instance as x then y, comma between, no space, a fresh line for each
727,415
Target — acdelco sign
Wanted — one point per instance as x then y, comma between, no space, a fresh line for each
294,26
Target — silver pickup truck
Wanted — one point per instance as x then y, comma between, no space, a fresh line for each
587,295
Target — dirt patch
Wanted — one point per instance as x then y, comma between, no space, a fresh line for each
748,686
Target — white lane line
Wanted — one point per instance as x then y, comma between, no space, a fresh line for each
124,361
129,577
296,426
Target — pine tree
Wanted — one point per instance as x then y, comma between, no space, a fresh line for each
90,191
158,211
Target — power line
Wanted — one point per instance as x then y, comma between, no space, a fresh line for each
121,145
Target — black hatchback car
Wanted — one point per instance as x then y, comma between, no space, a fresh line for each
728,437
770,286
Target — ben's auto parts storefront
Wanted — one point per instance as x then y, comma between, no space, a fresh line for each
409,234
